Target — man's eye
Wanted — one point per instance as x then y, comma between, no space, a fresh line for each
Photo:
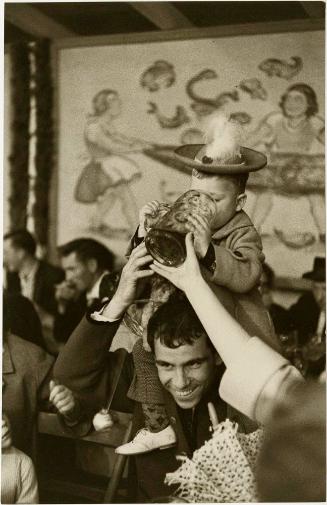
196,364
165,366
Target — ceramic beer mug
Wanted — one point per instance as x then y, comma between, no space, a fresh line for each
165,240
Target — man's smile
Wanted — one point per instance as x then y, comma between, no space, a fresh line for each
185,393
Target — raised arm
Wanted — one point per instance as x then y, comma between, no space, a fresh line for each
224,331
83,362
256,376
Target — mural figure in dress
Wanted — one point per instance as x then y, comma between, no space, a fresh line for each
106,179
295,129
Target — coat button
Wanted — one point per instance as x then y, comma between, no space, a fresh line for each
173,420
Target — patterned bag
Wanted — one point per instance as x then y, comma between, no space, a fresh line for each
222,470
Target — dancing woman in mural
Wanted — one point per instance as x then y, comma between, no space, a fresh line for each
296,129
107,177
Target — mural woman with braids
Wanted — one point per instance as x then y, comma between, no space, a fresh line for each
297,128
106,179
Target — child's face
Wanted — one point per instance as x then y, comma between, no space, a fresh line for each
226,195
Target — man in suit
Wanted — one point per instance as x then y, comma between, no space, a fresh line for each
308,318
85,262
26,274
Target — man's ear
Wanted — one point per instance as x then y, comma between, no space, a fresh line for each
241,199
92,265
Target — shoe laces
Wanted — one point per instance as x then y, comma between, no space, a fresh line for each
141,432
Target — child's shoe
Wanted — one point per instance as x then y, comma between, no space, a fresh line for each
147,441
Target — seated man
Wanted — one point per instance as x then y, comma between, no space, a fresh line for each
188,366
85,262
33,278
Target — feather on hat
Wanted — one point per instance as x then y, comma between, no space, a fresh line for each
222,152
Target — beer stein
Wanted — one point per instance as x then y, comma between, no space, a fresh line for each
165,240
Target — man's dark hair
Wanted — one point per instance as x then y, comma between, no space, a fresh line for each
22,239
175,323
86,249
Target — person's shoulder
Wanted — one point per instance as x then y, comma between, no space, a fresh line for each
24,353
17,457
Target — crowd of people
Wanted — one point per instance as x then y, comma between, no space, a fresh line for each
205,332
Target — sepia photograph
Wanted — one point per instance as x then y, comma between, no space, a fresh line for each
164,213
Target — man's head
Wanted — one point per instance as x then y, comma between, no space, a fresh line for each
18,245
185,357
84,260
228,191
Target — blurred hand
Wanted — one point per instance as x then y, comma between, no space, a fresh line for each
187,275
148,210
102,420
6,440
202,234
62,398
66,291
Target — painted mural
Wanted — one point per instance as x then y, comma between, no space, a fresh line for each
133,112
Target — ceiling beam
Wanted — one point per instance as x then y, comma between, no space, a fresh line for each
162,14
32,21
314,9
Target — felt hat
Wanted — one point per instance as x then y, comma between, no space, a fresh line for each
193,155
318,273
222,153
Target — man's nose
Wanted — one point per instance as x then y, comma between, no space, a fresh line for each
180,380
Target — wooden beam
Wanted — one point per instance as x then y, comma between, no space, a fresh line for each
314,9
162,14
32,21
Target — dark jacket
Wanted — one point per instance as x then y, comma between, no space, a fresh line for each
86,366
64,324
303,317
24,321
46,277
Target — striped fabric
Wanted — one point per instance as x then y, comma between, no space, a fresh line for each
18,479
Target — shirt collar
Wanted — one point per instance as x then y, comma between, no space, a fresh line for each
94,291
30,273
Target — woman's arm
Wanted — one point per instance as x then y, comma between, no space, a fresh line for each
256,376
226,334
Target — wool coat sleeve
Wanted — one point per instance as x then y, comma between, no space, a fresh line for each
83,365
27,488
238,261
256,394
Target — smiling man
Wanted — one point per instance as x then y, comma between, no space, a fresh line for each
189,370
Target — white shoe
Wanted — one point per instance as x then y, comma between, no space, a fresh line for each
147,441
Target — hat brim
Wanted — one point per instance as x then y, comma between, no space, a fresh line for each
315,276
252,161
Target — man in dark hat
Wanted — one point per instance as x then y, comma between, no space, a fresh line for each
308,317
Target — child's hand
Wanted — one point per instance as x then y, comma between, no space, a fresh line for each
202,234
102,420
150,209
62,398
6,440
